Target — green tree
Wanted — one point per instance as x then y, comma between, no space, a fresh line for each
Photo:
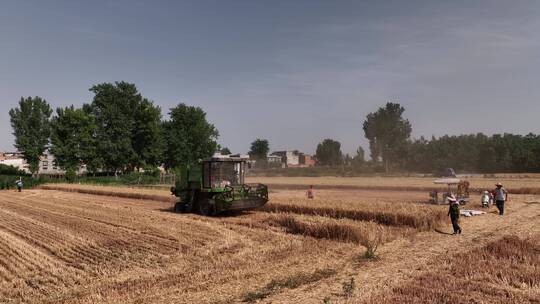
147,137
475,153
347,160
188,136
11,170
329,153
359,159
128,127
93,159
388,134
73,139
31,128
225,151
259,150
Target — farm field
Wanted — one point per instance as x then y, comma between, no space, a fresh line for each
516,183
161,193
529,183
70,247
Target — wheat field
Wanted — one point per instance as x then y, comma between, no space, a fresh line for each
518,183
503,271
90,244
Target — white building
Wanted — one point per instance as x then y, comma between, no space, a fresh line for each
289,158
14,159
47,165
242,156
274,159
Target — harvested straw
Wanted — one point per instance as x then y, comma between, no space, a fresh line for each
418,217
109,191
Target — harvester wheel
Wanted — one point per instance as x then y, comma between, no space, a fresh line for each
180,207
205,208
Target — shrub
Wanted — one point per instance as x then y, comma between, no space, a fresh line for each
71,175
11,170
349,288
8,181
372,242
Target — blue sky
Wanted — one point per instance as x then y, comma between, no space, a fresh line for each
294,72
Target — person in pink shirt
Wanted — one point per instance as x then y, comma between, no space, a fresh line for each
310,193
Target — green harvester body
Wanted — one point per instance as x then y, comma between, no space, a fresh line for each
216,185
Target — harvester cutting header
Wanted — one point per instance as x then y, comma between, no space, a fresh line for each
215,185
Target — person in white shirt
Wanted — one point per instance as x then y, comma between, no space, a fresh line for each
501,196
19,184
485,199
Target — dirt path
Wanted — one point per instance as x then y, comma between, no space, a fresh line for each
406,258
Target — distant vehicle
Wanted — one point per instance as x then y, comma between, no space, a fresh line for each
447,172
456,186
216,185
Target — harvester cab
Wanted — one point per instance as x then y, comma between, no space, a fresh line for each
216,185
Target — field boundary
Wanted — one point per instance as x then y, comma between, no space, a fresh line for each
524,190
107,192
168,199
521,190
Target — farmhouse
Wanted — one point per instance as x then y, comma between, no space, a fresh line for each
47,164
306,160
14,159
292,159
274,159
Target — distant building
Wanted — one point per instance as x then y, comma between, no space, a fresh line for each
288,158
47,165
14,159
292,159
274,159
306,160
242,156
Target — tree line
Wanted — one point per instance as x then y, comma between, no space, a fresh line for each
119,131
474,153
122,131
391,146
393,150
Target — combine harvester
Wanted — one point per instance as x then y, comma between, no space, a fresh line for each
216,185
